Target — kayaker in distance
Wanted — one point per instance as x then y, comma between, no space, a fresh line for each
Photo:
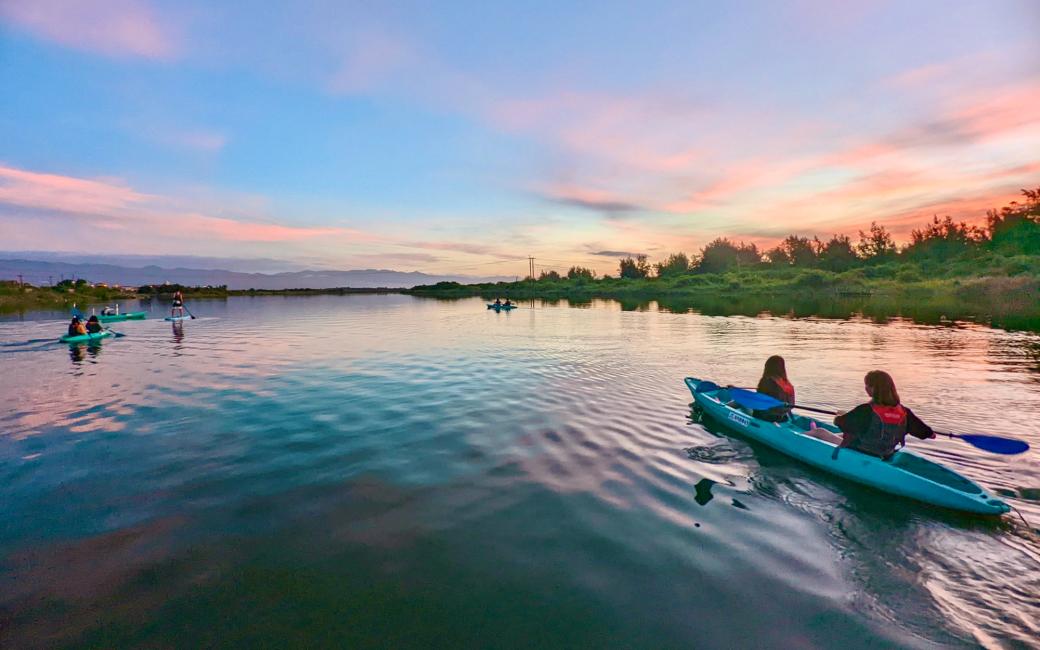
76,327
774,383
507,303
178,304
498,302
880,426
93,325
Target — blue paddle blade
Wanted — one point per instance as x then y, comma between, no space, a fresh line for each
707,387
994,444
752,400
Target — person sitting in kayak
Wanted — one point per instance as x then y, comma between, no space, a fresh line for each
507,303
774,383
178,304
76,327
498,302
879,427
93,325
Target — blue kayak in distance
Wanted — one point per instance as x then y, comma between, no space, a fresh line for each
904,473
177,318
501,307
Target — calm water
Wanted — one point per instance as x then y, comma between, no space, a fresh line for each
386,470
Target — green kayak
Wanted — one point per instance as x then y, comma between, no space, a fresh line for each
130,315
86,338
904,473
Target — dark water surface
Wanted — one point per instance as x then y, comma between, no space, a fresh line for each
388,470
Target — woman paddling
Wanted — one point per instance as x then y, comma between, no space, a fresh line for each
774,383
879,427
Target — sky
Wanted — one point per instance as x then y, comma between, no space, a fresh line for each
463,137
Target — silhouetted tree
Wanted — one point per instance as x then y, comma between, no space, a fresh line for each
800,250
877,244
719,255
778,256
549,275
943,238
580,272
1016,228
676,264
634,268
837,254
748,254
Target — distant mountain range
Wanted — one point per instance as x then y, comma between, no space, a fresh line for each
41,272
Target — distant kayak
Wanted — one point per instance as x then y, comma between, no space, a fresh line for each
86,338
904,473
176,318
500,307
130,315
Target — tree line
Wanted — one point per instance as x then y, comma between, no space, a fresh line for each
1012,230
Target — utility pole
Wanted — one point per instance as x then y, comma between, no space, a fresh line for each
530,260
20,283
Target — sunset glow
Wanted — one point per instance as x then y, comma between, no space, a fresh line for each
347,137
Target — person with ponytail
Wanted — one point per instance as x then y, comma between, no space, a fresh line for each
774,383
880,426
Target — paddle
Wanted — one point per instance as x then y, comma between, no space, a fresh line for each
993,444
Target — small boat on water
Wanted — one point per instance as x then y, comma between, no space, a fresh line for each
904,473
86,338
115,318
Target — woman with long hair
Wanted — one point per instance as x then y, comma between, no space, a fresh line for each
774,382
880,426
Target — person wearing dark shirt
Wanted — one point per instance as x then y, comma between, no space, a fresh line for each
880,426
774,383
93,325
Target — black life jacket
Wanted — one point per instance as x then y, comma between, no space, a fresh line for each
886,432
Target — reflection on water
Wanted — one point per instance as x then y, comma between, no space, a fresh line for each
408,472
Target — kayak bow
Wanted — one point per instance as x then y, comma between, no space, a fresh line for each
904,473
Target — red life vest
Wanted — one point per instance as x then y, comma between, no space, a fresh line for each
886,432
787,388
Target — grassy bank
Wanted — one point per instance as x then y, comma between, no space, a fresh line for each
337,291
1003,291
16,297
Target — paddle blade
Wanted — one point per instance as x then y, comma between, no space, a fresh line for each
995,444
752,400
707,387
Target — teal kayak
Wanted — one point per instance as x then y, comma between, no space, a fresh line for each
501,307
177,318
86,338
130,315
904,473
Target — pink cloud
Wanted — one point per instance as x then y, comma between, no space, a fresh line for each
121,28
66,193
114,205
372,58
